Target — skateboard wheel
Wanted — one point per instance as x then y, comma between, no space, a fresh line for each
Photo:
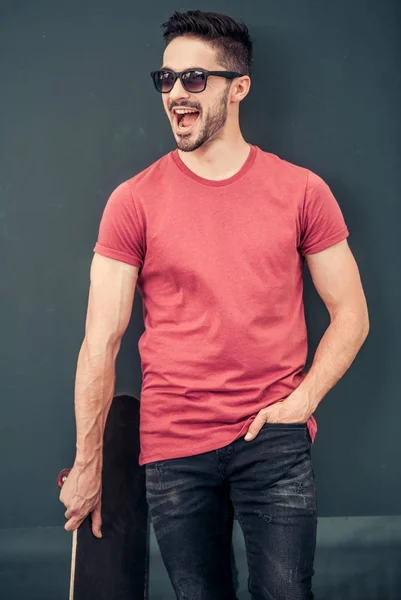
62,476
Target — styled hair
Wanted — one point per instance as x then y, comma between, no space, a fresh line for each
230,39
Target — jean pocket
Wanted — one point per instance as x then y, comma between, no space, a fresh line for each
269,425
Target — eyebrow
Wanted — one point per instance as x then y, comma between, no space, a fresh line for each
165,68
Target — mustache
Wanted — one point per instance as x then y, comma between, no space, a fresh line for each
185,104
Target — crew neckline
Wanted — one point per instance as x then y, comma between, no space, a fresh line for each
216,182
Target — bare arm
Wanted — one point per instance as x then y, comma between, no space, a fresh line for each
111,296
336,277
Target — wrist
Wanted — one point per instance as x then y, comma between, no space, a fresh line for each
307,399
85,463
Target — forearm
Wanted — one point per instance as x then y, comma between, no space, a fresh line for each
94,389
336,351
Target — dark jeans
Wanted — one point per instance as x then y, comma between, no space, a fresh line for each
271,484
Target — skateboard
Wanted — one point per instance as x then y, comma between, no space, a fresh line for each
116,566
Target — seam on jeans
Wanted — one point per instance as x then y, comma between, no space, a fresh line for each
160,472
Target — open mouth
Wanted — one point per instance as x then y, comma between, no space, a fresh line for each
185,119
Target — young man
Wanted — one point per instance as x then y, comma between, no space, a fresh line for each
215,235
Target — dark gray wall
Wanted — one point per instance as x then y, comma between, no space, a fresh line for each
79,115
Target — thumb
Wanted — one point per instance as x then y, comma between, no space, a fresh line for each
255,427
97,520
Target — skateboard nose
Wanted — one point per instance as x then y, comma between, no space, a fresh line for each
62,477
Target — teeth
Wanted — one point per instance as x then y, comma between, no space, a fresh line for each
183,111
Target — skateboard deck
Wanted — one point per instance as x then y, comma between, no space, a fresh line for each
116,566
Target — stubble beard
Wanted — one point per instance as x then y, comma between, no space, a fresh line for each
214,121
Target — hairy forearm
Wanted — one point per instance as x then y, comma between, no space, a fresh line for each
94,389
336,351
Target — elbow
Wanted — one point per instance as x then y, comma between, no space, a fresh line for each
362,326
364,321
355,319
365,326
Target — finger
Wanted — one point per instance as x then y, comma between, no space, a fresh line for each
255,427
72,513
97,521
73,524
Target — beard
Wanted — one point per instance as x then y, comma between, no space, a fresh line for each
214,121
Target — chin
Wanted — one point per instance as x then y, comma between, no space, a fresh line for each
187,148
185,144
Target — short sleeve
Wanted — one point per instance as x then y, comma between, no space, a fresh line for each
322,222
121,235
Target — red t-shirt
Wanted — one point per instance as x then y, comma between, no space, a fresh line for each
221,278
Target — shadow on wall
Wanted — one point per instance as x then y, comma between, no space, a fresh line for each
35,562
358,573
357,558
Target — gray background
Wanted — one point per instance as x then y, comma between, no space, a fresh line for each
79,115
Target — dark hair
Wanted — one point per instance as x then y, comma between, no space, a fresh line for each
229,38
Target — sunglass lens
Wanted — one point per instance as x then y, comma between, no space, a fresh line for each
164,81
194,81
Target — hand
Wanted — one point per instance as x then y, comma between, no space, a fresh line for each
81,495
293,409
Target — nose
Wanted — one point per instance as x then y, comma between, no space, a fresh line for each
178,92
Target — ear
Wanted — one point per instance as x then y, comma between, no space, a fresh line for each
240,88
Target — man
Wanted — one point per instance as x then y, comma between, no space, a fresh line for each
215,235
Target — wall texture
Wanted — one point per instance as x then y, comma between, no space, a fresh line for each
79,115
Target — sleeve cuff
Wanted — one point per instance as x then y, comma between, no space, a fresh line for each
117,255
326,243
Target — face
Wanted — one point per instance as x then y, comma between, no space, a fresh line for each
194,130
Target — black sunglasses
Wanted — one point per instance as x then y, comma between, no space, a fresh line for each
193,80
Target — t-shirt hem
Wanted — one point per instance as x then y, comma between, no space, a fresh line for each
116,255
194,449
209,447
330,241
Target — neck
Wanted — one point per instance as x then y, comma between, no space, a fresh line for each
219,158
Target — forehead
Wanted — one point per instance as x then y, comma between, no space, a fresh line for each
186,52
